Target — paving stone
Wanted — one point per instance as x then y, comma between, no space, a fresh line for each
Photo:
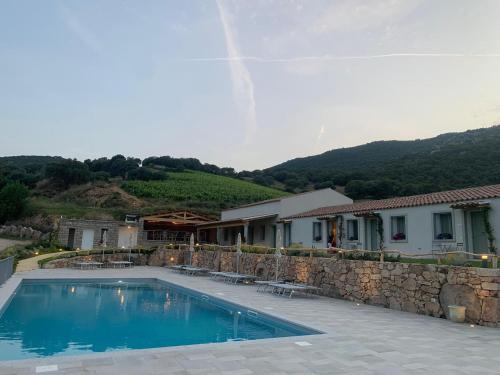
361,340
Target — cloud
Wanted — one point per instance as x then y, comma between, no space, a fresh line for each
77,28
243,87
353,15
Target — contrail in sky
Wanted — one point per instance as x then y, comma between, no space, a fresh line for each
243,87
236,58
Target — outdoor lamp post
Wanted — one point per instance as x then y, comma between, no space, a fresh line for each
484,261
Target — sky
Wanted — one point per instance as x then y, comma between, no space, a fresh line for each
242,83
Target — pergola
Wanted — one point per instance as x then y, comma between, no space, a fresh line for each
172,227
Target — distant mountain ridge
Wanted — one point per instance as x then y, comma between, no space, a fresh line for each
389,150
388,168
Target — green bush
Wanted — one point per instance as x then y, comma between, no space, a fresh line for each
13,198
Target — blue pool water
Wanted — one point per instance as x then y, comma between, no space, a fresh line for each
70,317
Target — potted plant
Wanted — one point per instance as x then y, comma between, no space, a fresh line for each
456,313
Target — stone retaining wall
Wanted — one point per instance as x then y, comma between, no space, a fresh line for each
418,288
23,233
137,259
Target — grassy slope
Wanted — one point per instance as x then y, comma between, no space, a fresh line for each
201,188
53,207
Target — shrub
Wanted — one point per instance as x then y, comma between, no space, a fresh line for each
13,198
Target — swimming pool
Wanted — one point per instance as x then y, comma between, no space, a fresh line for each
70,317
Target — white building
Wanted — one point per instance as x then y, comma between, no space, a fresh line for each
259,222
421,223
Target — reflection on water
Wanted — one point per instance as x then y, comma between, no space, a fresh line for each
62,318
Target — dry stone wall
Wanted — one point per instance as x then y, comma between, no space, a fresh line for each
137,259
417,288
21,232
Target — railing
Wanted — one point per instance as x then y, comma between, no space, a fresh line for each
167,236
6,269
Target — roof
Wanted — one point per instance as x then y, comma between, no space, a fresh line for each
451,196
277,199
234,222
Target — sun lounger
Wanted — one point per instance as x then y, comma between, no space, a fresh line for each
178,268
121,264
217,275
235,278
283,289
194,271
232,277
88,265
264,285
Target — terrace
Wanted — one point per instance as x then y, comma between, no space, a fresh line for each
358,339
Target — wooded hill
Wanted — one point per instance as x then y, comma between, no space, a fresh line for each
395,168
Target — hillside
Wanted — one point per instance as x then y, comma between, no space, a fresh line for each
192,190
388,168
201,190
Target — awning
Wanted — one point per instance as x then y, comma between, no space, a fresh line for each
328,217
234,222
367,214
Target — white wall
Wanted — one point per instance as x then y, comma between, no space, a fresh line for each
127,237
289,205
419,223
302,232
296,204
262,209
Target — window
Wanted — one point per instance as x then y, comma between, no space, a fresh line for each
352,230
317,231
262,232
226,234
398,228
317,235
443,226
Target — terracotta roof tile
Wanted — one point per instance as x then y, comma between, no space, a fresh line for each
452,196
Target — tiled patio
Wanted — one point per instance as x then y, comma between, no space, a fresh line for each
359,339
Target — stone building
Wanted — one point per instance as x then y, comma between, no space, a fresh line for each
91,234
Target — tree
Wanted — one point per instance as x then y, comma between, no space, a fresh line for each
146,174
68,172
13,197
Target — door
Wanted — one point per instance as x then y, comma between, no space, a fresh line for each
372,234
479,237
332,233
71,238
88,239
288,235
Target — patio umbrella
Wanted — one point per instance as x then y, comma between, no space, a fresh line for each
277,253
238,253
191,249
104,242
